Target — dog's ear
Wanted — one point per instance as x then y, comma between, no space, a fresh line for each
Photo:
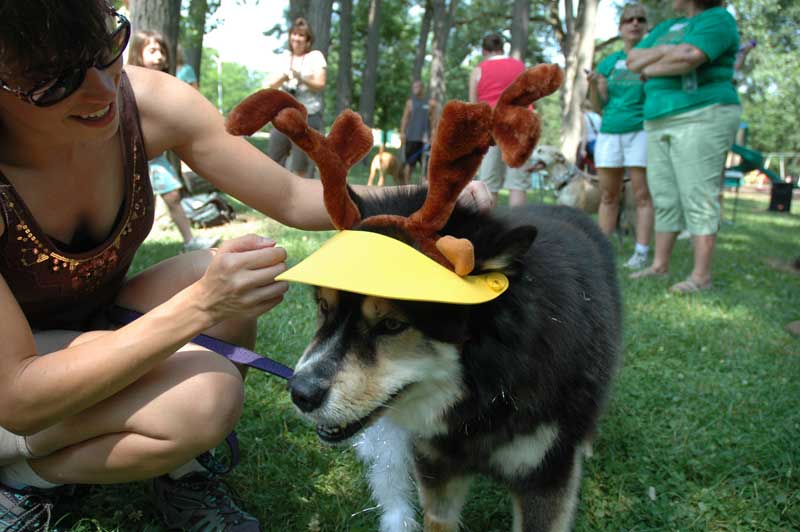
507,249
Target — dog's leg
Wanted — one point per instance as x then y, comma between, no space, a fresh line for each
551,510
442,501
386,450
381,178
371,174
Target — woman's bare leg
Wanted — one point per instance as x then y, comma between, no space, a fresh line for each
610,190
644,205
183,407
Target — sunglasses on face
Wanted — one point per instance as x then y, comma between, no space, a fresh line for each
640,20
52,91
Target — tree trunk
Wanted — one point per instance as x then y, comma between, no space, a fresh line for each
370,78
579,41
344,82
158,15
443,16
519,29
195,31
422,46
298,8
319,18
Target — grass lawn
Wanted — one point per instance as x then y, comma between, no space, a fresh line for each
701,433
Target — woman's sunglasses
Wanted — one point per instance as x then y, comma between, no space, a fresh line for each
640,20
52,91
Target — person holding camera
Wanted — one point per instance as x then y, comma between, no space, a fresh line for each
303,77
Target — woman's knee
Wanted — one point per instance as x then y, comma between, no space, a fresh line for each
214,396
172,198
610,195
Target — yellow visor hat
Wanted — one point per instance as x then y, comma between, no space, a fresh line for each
377,265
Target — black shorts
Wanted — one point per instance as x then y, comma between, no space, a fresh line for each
413,151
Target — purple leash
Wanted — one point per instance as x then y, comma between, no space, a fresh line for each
234,353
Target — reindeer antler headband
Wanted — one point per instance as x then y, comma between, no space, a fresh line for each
462,138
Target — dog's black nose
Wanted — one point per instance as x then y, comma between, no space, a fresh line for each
308,391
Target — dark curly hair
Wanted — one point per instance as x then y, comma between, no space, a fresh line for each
39,39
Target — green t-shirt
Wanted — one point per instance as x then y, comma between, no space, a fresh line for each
714,33
624,111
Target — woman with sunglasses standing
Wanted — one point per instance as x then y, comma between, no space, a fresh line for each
621,147
691,115
80,400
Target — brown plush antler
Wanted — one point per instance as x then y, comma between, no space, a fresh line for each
462,138
348,142
515,129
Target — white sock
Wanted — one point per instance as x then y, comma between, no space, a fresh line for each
19,475
190,467
642,249
12,447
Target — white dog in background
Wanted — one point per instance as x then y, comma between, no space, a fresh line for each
578,189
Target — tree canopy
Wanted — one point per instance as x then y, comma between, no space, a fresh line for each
768,88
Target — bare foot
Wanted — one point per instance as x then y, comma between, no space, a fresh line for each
648,272
689,286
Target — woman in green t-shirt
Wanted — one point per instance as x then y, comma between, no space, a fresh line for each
621,146
691,115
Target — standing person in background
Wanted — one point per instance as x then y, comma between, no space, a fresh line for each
487,82
592,123
149,49
621,146
416,128
184,71
691,116
303,76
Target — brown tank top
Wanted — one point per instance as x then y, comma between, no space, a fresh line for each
59,289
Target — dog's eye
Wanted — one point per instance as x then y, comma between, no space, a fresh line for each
322,305
391,326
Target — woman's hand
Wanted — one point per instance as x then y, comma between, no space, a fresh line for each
240,280
593,77
476,194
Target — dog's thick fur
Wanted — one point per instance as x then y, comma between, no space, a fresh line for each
385,163
511,388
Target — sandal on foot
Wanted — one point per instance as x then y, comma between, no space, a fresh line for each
689,286
647,272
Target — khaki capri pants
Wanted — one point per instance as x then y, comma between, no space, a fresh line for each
685,157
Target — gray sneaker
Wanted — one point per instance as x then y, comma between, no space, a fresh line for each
26,510
199,242
637,261
200,502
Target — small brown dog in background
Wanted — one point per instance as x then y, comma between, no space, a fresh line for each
384,163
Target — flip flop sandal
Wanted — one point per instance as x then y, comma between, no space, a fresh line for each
647,272
689,286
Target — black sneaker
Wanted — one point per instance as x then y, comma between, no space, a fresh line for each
200,502
28,510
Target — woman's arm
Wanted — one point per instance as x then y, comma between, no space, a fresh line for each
316,80
38,391
639,58
678,60
598,90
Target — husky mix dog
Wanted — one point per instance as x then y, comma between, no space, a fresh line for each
511,388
